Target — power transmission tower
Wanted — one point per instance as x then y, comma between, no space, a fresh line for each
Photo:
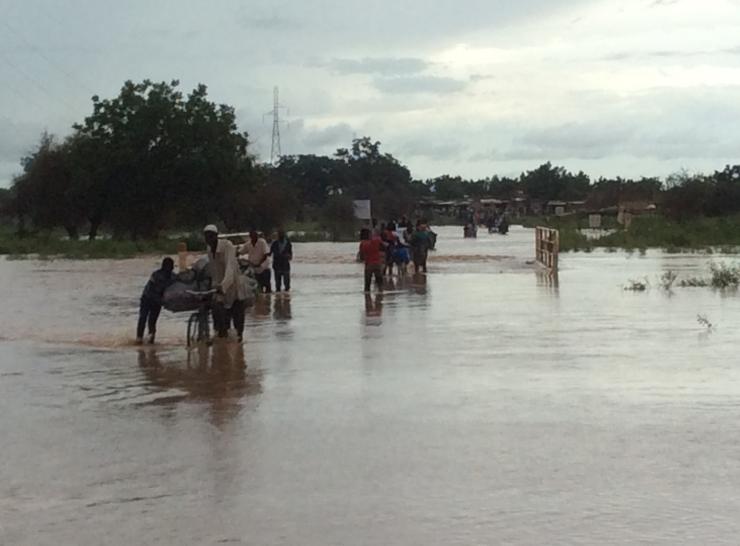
275,151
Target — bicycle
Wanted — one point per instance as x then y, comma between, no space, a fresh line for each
199,323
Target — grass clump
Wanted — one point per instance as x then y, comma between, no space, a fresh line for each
637,285
667,279
693,282
724,276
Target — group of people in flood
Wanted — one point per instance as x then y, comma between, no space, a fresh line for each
384,248
394,245
496,221
226,262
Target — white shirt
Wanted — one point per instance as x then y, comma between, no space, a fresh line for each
225,273
256,253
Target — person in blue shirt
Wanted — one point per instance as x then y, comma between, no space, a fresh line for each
282,253
151,299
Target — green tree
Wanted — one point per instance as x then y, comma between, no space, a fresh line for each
366,173
160,159
547,183
313,177
447,187
337,216
45,193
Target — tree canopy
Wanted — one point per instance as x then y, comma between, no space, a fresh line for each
152,158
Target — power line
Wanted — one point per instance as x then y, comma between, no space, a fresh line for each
36,83
75,79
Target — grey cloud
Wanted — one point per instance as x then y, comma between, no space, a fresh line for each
432,148
668,54
657,54
8,169
339,134
384,25
663,125
489,155
17,139
385,66
586,140
270,22
419,84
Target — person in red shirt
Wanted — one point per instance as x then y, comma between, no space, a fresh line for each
371,252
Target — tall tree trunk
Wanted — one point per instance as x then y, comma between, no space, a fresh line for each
72,232
94,226
22,225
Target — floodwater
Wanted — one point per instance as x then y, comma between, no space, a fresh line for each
484,406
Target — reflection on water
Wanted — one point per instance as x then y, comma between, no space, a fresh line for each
216,375
467,406
374,307
262,305
548,280
282,311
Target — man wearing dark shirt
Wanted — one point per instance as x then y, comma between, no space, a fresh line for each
151,299
282,253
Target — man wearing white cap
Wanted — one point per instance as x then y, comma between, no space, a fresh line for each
224,267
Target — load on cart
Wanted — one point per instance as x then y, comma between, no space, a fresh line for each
216,287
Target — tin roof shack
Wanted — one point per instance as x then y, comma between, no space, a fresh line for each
440,211
519,206
627,210
491,205
562,208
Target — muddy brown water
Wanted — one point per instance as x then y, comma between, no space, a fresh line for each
484,406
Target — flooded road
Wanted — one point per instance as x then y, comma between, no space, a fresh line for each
484,406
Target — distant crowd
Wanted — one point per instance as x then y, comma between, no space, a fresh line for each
394,245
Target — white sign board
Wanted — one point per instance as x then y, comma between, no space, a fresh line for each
362,209
594,221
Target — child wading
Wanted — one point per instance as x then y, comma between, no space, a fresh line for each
371,252
151,299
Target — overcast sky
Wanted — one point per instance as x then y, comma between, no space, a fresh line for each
469,87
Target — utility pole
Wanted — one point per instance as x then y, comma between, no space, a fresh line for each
275,151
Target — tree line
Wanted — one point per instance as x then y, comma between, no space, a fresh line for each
153,159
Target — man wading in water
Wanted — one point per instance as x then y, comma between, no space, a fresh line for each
420,244
258,255
282,254
229,303
371,253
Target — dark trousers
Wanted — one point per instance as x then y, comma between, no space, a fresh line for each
237,312
280,278
420,259
222,318
148,313
373,271
263,279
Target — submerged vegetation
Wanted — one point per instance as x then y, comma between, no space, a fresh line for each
722,276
